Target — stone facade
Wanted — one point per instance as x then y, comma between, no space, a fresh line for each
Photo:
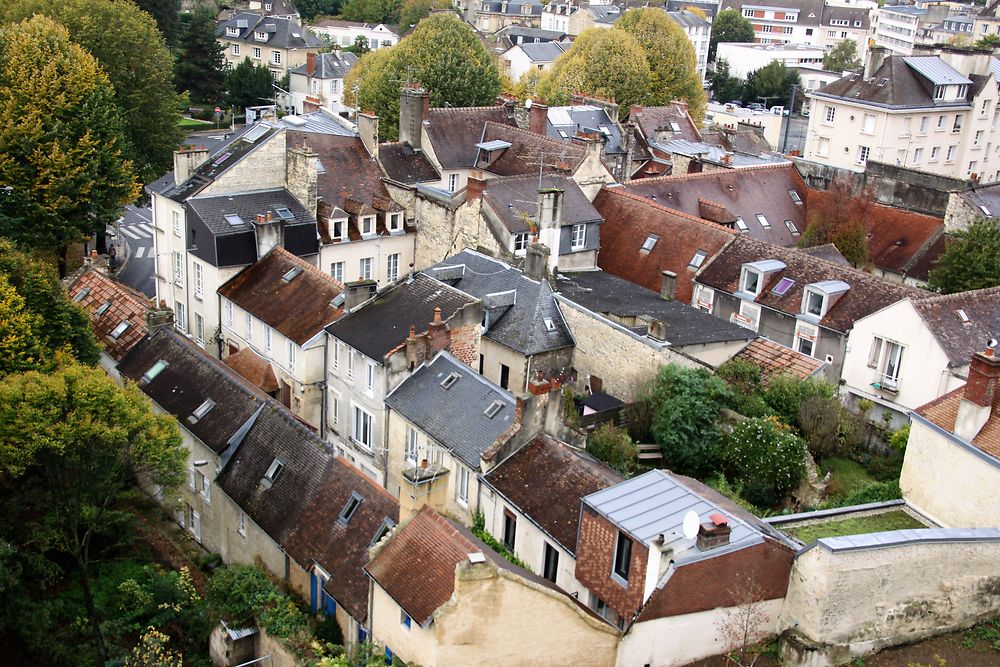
960,213
595,555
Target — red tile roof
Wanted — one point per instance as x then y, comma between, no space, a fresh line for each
124,302
961,339
654,121
774,359
630,219
943,412
253,368
454,132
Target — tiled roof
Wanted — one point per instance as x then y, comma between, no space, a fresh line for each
454,416
943,411
748,140
925,261
513,197
545,479
404,165
526,150
189,379
775,360
622,301
348,170
827,251
383,324
960,340
522,326
629,220
744,193
282,33
895,83
123,304
984,200
253,368
658,120
867,293
298,308
454,132
333,65
565,122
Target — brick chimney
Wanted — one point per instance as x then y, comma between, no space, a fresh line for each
414,107
715,533
980,393
668,287
158,317
474,186
438,334
301,175
358,292
310,64
187,160
538,119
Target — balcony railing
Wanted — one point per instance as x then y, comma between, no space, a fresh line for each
885,382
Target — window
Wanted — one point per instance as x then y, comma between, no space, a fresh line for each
763,221
951,153
199,328
504,376
349,508
236,49
181,316
274,470
176,222
785,284
704,298
121,329
978,138
748,317
337,271
973,166
698,259
462,492
249,328
206,489
291,354
395,222
154,370
889,365
256,53
940,122
410,451
805,338
578,236
392,267
985,107
370,376
813,302
450,380
935,151
520,242
792,228
350,364
830,115
335,408
550,562
875,353
178,269
824,146
368,225
242,529
338,229
362,428
276,57
191,478
103,308
365,268
405,619
452,182
924,122
939,92
232,32
623,557
918,155
199,280
509,529
863,152
868,124
650,242
751,282
795,196
957,125
267,337
740,225
260,36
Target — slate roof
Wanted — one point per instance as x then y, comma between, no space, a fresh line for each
985,197
348,170
545,479
960,340
744,193
520,327
901,86
383,324
510,198
943,411
867,293
629,220
455,131
607,14
565,122
283,33
525,151
253,368
622,301
852,14
510,7
123,304
405,165
775,360
810,11
687,19
545,52
454,417
332,65
190,378
925,261
654,121
299,308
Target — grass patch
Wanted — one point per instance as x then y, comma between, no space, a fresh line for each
846,476
194,123
873,523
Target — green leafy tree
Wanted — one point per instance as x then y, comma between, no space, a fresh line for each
842,57
614,446
249,85
20,349
414,10
200,68
686,403
988,42
371,11
785,395
608,63
841,217
66,325
729,26
774,81
443,54
765,458
310,9
62,139
725,86
673,66
360,46
77,442
166,13
131,50
971,259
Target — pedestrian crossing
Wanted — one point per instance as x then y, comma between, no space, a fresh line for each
137,232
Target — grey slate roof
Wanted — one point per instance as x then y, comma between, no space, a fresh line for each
688,19
984,199
511,198
897,83
935,70
510,7
960,340
521,327
610,295
317,122
384,323
333,65
565,122
545,52
454,417
213,210
283,33
607,14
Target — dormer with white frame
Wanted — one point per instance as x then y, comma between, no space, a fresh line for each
819,298
755,275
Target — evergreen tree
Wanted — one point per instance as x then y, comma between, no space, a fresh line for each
166,13
310,9
771,83
371,11
414,10
971,259
249,85
725,86
200,68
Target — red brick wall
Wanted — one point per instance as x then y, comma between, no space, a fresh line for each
595,555
464,344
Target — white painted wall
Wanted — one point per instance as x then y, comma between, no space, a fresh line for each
378,248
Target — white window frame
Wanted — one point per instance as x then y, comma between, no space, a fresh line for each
178,269
256,53
236,49
365,268
199,280
180,315
228,309
745,274
829,114
395,222
807,294
276,57
520,243
411,445
268,333
452,182
808,333
241,528
370,377
462,486
578,237
368,225
199,328
358,430
249,328
748,316
337,271
290,348
392,267
176,222
335,406
864,152
704,298
206,489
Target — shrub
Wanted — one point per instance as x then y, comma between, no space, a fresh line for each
743,377
899,438
874,493
766,458
328,631
614,446
479,530
785,394
235,593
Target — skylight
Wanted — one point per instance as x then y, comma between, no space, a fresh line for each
650,242
154,370
675,127
985,210
763,221
795,196
493,409
291,274
120,329
450,380
81,295
791,227
550,326
222,158
256,133
201,410
284,213
350,508
740,225
698,258
273,471
785,284
383,530
234,220
963,317
103,308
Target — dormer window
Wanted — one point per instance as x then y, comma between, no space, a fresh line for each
260,36
368,225
232,32
818,298
813,303
337,229
395,222
750,281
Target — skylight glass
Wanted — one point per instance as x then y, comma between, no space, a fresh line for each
763,221
154,370
698,259
291,274
81,295
120,329
740,225
783,286
103,308
283,213
234,220
792,228
650,242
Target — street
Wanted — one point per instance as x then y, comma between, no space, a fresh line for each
136,227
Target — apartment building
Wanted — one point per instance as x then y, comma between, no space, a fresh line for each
699,32
901,27
346,33
746,58
278,43
782,21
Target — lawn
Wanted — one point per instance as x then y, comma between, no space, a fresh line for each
846,476
188,123
872,523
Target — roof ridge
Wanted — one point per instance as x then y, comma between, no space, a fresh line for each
655,204
707,174
955,296
538,137
461,109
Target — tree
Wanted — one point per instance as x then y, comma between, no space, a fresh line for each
729,26
200,67
766,458
76,442
360,46
725,86
741,622
66,325
988,42
249,85
166,13
971,259
62,139
130,49
414,10
613,446
310,9
842,57
371,11
607,63
673,66
774,81
840,217
20,349
442,54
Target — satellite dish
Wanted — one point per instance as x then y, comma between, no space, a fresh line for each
691,524
991,343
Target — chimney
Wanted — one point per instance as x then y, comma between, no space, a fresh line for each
368,131
301,174
414,105
669,286
186,162
474,186
976,405
876,56
549,218
415,350
158,318
536,258
437,334
269,232
310,64
658,330
715,533
358,292
538,120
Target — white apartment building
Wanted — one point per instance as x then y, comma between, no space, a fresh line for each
746,58
901,27
699,33
344,33
935,113
781,21
845,23
320,81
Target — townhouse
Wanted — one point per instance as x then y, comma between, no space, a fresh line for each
841,23
522,58
699,33
489,16
573,18
278,43
781,21
319,82
341,34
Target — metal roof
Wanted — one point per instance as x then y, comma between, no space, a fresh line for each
831,286
895,538
494,145
935,70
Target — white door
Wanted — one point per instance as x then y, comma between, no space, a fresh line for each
196,525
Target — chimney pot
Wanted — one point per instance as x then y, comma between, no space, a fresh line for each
474,186
437,315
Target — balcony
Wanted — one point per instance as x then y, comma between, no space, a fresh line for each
423,472
886,383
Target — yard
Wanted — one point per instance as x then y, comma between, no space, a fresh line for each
871,523
195,124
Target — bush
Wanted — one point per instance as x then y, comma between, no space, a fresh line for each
766,458
785,394
614,446
874,493
899,438
235,592
328,631
743,377
479,530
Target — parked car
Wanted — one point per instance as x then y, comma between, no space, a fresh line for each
756,106
735,103
779,111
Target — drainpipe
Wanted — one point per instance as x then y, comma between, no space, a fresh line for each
322,388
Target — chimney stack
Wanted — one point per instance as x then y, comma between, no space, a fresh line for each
368,131
715,533
474,186
358,292
538,119
437,333
158,318
876,56
301,176
657,330
310,63
668,287
549,216
980,394
186,162
414,106
536,259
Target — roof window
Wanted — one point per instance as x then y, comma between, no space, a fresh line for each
383,530
81,295
650,242
792,228
493,409
963,317
222,158
675,127
450,380
154,370
234,220
550,325
763,221
273,471
985,210
698,259
785,284
119,330
284,213
795,196
201,411
103,308
740,225
350,508
291,274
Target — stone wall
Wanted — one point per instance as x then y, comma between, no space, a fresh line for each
959,214
263,168
443,230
